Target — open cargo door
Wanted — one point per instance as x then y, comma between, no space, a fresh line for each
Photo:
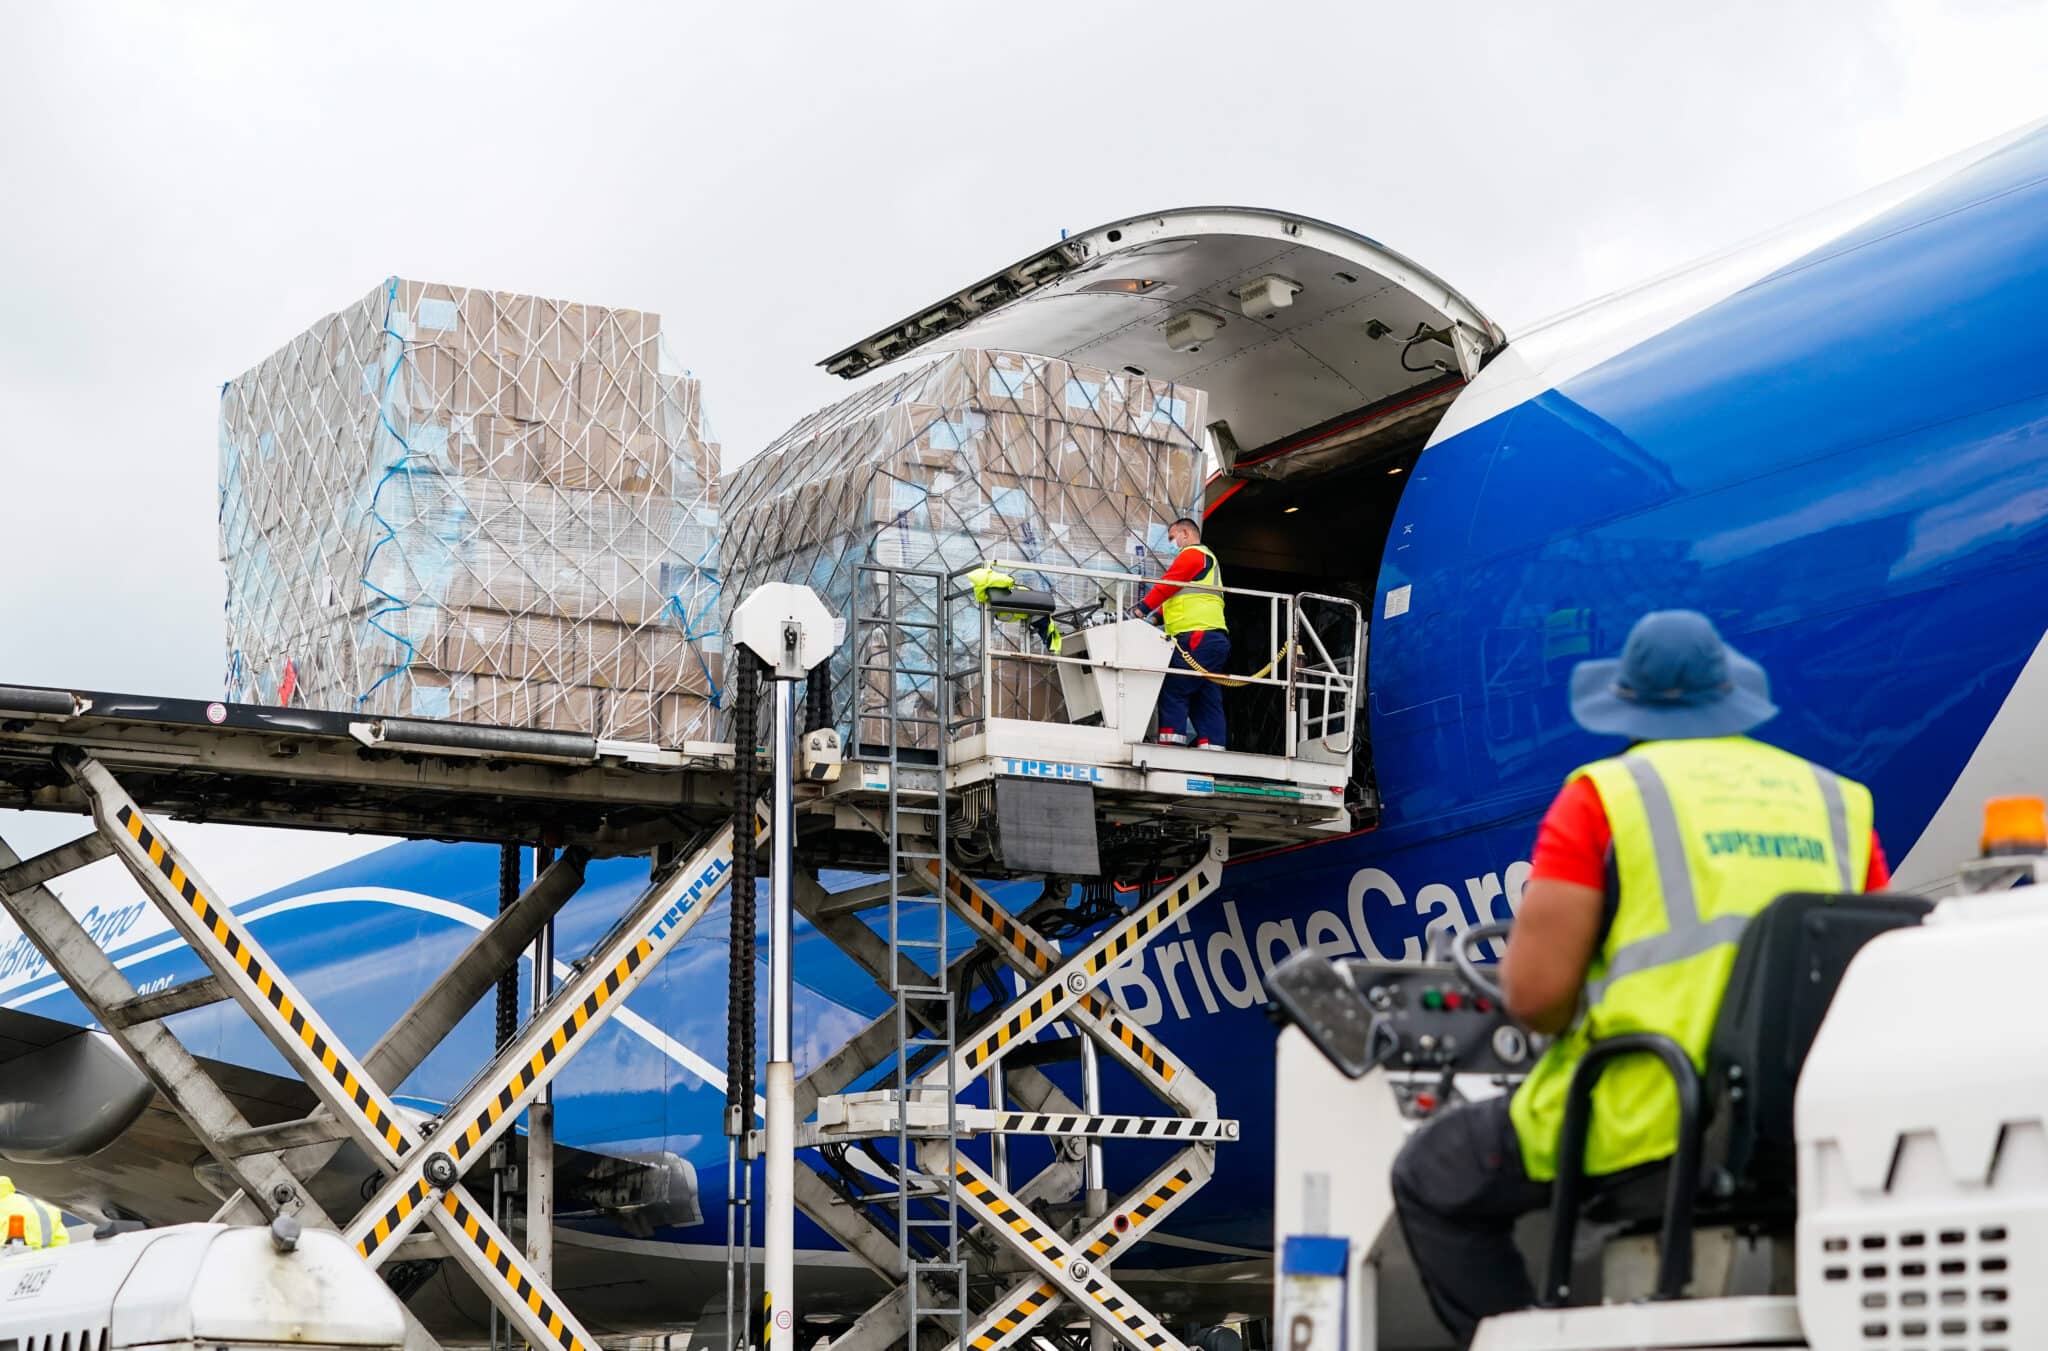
1327,360
1305,336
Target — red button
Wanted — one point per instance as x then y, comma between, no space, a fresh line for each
1482,1003
1425,1103
1453,1000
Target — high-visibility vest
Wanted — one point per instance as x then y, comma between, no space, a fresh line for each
986,580
42,1226
1707,833
1188,609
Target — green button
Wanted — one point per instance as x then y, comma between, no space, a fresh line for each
1432,999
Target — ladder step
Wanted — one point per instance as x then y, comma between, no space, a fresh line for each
283,1135
148,1008
65,858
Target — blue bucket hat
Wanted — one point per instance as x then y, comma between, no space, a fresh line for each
1674,680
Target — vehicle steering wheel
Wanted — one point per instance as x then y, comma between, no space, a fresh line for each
1461,957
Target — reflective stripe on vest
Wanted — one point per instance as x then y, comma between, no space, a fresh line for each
1188,609
52,1224
1706,833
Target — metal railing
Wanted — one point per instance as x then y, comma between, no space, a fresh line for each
1317,662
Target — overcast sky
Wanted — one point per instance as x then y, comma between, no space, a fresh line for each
187,186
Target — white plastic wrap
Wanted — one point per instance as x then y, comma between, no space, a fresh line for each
465,503
974,456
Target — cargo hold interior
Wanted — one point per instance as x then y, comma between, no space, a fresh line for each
1311,517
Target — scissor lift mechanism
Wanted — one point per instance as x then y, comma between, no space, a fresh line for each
131,762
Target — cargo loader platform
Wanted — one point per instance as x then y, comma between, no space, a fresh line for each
990,796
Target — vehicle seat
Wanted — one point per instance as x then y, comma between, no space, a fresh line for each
1736,1142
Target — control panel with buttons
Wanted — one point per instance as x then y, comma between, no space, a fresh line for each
1427,1017
1413,1017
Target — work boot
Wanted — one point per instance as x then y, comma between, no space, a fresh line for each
1173,738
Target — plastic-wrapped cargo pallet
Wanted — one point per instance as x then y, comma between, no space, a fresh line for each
464,503
974,456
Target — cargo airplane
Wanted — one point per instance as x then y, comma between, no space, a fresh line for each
1833,440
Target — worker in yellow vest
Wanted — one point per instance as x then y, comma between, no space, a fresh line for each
1188,601
1647,868
38,1225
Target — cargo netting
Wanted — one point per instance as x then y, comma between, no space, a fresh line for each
444,502
975,456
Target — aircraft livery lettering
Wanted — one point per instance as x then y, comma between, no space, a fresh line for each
1223,959
107,927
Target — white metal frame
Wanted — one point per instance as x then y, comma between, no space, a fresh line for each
1304,666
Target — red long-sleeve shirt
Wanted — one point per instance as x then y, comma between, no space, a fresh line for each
1191,563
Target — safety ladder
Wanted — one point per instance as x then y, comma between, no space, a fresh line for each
901,638
423,1163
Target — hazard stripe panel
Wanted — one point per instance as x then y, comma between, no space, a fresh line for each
1116,1127
1025,1305
998,926
1096,1295
516,1292
1064,986
665,912
293,1024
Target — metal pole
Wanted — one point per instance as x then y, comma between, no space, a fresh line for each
746,1306
779,1239
732,1196
999,1144
540,1117
508,1027
1096,1202
497,1215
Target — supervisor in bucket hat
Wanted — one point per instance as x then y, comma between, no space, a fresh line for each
1675,679
1647,867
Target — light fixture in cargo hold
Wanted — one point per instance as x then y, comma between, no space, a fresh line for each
1188,330
1266,297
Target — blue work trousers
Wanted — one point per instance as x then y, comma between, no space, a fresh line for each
1185,697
